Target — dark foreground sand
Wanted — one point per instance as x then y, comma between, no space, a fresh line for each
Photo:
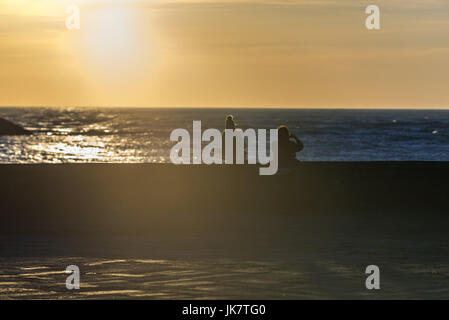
160,231
142,198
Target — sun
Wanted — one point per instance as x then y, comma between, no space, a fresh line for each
111,42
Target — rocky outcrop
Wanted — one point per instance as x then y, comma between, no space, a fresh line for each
7,128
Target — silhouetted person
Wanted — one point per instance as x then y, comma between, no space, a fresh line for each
287,148
229,124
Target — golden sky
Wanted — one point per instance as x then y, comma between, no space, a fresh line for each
225,53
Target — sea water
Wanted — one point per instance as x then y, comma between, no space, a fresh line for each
133,135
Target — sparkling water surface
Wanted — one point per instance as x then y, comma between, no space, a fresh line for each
64,135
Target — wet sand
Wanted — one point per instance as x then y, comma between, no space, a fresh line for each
228,266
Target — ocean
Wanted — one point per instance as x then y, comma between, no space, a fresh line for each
133,135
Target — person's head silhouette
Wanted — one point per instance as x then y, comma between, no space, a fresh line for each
283,133
230,123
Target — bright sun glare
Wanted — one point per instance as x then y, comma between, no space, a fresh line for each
110,40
